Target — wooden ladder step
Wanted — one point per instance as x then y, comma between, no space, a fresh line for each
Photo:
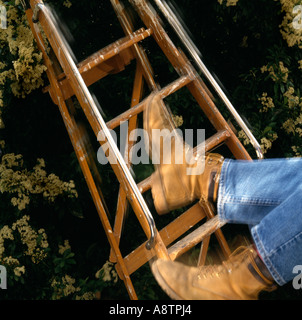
170,233
166,91
113,49
195,237
100,64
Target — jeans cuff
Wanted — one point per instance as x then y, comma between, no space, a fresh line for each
265,258
222,191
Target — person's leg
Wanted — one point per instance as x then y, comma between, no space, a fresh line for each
249,192
180,176
237,278
278,238
268,195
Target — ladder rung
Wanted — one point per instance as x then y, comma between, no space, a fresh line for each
215,140
166,91
195,237
98,59
144,185
90,76
113,49
170,233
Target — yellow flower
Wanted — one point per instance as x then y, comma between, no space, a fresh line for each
289,126
243,137
68,281
5,233
267,102
22,183
277,72
267,142
293,36
65,247
178,120
67,3
107,272
86,296
24,73
295,149
229,2
19,270
64,287
36,242
11,261
292,100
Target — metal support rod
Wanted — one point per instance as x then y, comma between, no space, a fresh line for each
90,101
190,46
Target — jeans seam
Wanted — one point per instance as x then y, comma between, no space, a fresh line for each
221,190
285,244
252,201
266,257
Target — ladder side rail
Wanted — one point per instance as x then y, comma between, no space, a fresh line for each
190,46
213,114
122,203
96,120
139,52
183,67
75,137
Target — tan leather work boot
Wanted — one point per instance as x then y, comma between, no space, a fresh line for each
242,277
180,176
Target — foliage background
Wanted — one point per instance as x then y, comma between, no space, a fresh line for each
51,240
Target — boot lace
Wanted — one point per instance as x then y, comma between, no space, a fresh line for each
240,255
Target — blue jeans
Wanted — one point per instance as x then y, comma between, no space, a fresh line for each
267,196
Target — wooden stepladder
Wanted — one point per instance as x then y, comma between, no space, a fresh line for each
66,80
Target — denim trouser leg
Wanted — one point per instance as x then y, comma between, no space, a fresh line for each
267,195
